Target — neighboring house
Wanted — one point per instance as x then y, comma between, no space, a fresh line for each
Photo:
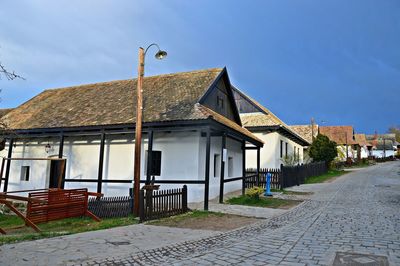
280,141
383,145
307,132
187,118
344,138
364,147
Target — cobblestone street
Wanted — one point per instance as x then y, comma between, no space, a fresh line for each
359,213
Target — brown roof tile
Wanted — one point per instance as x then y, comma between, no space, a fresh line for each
227,122
166,98
338,134
361,139
305,131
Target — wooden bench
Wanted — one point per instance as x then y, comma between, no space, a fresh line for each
59,204
50,204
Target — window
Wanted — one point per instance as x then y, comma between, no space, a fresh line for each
25,173
217,165
294,153
286,149
230,166
281,153
220,102
155,164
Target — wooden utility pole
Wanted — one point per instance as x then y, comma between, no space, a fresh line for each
312,128
138,133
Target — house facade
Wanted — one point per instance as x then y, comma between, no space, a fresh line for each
191,128
282,145
383,145
344,137
364,147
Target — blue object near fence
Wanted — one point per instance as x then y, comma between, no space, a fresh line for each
268,185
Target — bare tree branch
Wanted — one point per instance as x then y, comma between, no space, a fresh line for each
9,75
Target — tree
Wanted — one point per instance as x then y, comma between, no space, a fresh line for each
291,160
396,131
8,74
323,149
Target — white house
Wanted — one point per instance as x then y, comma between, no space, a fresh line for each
191,123
280,141
383,145
347,146
364,146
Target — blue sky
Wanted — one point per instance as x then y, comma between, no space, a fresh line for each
337,61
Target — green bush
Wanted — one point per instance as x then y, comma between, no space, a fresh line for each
254,192
323,150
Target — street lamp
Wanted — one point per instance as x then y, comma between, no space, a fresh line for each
138,128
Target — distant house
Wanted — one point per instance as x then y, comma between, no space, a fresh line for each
383,145
307,132
364,147
344,138
190,120
280,140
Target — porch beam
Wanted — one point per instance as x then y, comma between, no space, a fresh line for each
207,169
222,173
149,156
9,155
258,167
61,146
243,167
101,163
60,156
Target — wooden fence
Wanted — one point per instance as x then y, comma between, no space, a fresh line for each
287,176
109,207
162,203
296,175
260,180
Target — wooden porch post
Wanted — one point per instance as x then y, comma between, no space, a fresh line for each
258,167
222,173
101,163
61,147
10,148
60,155
207,169
244,167
149,157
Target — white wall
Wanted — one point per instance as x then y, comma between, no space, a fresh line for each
380,153
364,152
38,177
183,158
234,150
270,153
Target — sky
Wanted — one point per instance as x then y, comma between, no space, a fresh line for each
335,60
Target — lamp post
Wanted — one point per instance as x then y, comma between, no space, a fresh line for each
138,128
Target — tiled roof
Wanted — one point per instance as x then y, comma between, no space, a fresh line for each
166,98
305,131
170,97
225,121
264,118
338,134
5,111
361,139
258,119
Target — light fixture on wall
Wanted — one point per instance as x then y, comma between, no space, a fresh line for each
47,148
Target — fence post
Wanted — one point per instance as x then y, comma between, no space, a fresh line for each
282,177
141,206
184,199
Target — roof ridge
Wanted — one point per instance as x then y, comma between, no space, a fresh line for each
133,79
